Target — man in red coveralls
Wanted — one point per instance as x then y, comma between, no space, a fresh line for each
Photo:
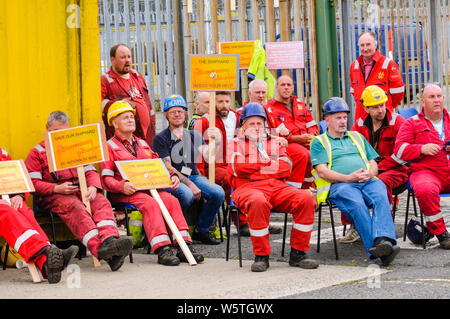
126,146
22,232
121,82
59,193
372,68
257,170
290,118
424,141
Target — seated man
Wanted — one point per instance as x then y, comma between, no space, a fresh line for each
59,193
423,140
258,168
179,149
22,232
346,160
125,146
379,127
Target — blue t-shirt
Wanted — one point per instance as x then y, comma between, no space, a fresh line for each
182,153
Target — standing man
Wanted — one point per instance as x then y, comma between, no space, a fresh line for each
201,107
290,118
59,193
180,148
346,167
424,141
259,166
380,127
372,68
121,82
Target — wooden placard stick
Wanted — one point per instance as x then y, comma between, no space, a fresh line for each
173,228
31,267
212,140
83,189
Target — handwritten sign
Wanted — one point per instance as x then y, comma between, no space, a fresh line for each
284,55
14,178
214,72
243,48
145,174
76,146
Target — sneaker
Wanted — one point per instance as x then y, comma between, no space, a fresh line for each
261,263
197,256
351,236
205,237
113,246
386,260
53,266
381,248
68,254
166,256
299,258
444,240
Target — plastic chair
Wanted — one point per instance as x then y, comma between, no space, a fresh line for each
331,205
407,112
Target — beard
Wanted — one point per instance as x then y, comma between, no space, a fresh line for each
223,112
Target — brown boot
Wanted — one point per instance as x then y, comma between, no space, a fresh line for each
261,263
444,240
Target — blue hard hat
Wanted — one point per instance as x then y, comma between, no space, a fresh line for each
174,100
253,109
335,105
414,232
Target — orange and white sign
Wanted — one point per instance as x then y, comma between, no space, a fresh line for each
76,146
243,48
145,174
14,178
215,72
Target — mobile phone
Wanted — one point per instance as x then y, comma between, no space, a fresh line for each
447,143
76,184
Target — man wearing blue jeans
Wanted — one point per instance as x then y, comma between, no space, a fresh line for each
179,148
346,166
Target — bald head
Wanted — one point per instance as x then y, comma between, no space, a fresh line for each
433,102
201,102
285,88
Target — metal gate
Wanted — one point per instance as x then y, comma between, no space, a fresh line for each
414,33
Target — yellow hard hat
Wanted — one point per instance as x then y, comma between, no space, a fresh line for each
373,95
117,108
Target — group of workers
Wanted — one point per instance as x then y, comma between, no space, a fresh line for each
270,155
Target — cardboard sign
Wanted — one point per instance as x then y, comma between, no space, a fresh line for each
76,146
284,55
14,178
243,48
145,174
214,72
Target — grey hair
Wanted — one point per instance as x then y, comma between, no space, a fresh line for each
58,116
371,33
255,81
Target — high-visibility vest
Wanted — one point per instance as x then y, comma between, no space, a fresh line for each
323,186
135,226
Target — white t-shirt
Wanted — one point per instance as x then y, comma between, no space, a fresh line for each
230,125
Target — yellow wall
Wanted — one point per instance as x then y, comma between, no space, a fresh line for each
48,63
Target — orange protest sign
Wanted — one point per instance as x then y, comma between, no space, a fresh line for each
14,178
214,72
243,48
145,173
76,146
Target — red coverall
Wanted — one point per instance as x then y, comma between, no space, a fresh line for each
21,230
385,74
430,174
259,186
90,230
299,122
115,87
152,218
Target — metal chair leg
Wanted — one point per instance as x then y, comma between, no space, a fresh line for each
239,237
318,227
127,226
6,256
406,215
228,234
332,228
284,234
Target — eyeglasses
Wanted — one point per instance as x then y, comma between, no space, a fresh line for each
175,112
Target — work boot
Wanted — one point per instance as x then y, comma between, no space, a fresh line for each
197,256
261,263
444,240
205,237
381,248
275,229
115,262
53,266
166,256
113,246
68,254
244,230
386,260
299,258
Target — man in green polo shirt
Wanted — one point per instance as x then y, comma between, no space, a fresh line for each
346,169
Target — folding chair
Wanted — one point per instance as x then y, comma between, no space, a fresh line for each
395,192
331,205
125,207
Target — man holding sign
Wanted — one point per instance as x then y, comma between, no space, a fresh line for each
124,146
59,192
23,233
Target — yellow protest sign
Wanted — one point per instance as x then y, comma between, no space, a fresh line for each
243,48
14,178
76,146
215,72
145,174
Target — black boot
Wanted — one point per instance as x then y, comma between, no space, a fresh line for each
205,237
113,246
197,256
68,254
444,240
299,258
166,256
53,266
261,263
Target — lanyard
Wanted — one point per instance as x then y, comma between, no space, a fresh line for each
132,152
